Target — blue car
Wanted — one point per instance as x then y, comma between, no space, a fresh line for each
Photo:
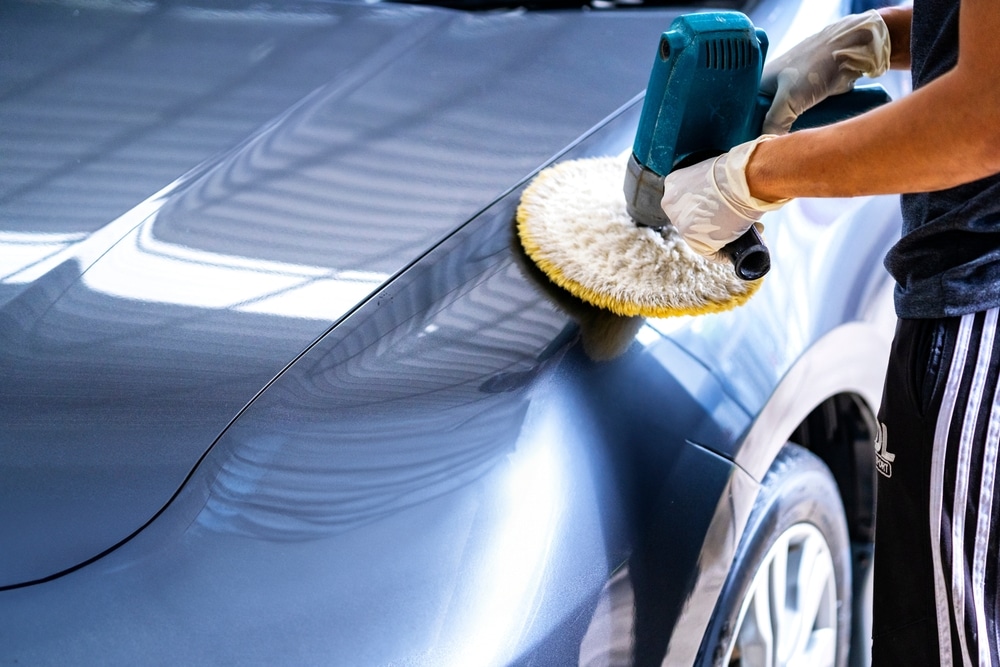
278,384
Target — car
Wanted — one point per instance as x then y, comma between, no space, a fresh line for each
280,386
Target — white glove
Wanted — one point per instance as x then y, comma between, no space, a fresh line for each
710,204
828,63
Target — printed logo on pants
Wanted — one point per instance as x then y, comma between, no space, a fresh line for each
883,459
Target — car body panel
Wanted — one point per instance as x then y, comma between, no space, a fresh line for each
117,377
435,444
311,403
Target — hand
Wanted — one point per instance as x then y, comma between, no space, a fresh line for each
710,203
828,63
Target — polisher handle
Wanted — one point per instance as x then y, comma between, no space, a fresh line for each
832,109
749,255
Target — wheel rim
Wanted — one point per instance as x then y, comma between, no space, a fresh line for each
789,616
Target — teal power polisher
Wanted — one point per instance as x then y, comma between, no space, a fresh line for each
703,98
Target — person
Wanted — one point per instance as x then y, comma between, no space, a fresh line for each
937,566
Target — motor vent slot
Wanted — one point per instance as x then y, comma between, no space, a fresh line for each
727,54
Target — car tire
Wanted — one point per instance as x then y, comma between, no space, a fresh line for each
788,597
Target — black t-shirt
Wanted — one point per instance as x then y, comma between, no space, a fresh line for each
947,262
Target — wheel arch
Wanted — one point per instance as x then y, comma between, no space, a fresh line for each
843,372
837,383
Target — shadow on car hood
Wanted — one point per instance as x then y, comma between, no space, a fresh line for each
127,347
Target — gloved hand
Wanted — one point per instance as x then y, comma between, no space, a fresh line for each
828,63
710,204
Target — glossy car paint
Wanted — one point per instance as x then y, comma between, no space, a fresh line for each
310,404
166,322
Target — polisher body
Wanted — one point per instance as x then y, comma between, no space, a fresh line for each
702,99
702,91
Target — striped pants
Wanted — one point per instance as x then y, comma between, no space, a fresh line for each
938,510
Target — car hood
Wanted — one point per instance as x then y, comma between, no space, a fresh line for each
193,197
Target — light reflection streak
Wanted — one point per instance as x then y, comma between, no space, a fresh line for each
143,268
42,255
22,251
517,559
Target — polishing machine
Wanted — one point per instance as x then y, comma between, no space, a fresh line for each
703,98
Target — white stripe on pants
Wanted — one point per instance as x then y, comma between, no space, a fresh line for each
962,433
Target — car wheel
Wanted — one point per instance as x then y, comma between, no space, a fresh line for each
788,598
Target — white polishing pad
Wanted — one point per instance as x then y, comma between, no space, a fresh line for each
574,225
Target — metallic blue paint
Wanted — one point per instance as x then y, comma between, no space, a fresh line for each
310,404
199,296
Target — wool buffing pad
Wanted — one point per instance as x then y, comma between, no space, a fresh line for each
573,224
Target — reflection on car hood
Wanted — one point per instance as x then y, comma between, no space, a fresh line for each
348,140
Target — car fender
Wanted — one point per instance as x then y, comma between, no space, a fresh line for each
849,359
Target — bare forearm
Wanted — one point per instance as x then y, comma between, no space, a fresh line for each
940,136
944,134
898,20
